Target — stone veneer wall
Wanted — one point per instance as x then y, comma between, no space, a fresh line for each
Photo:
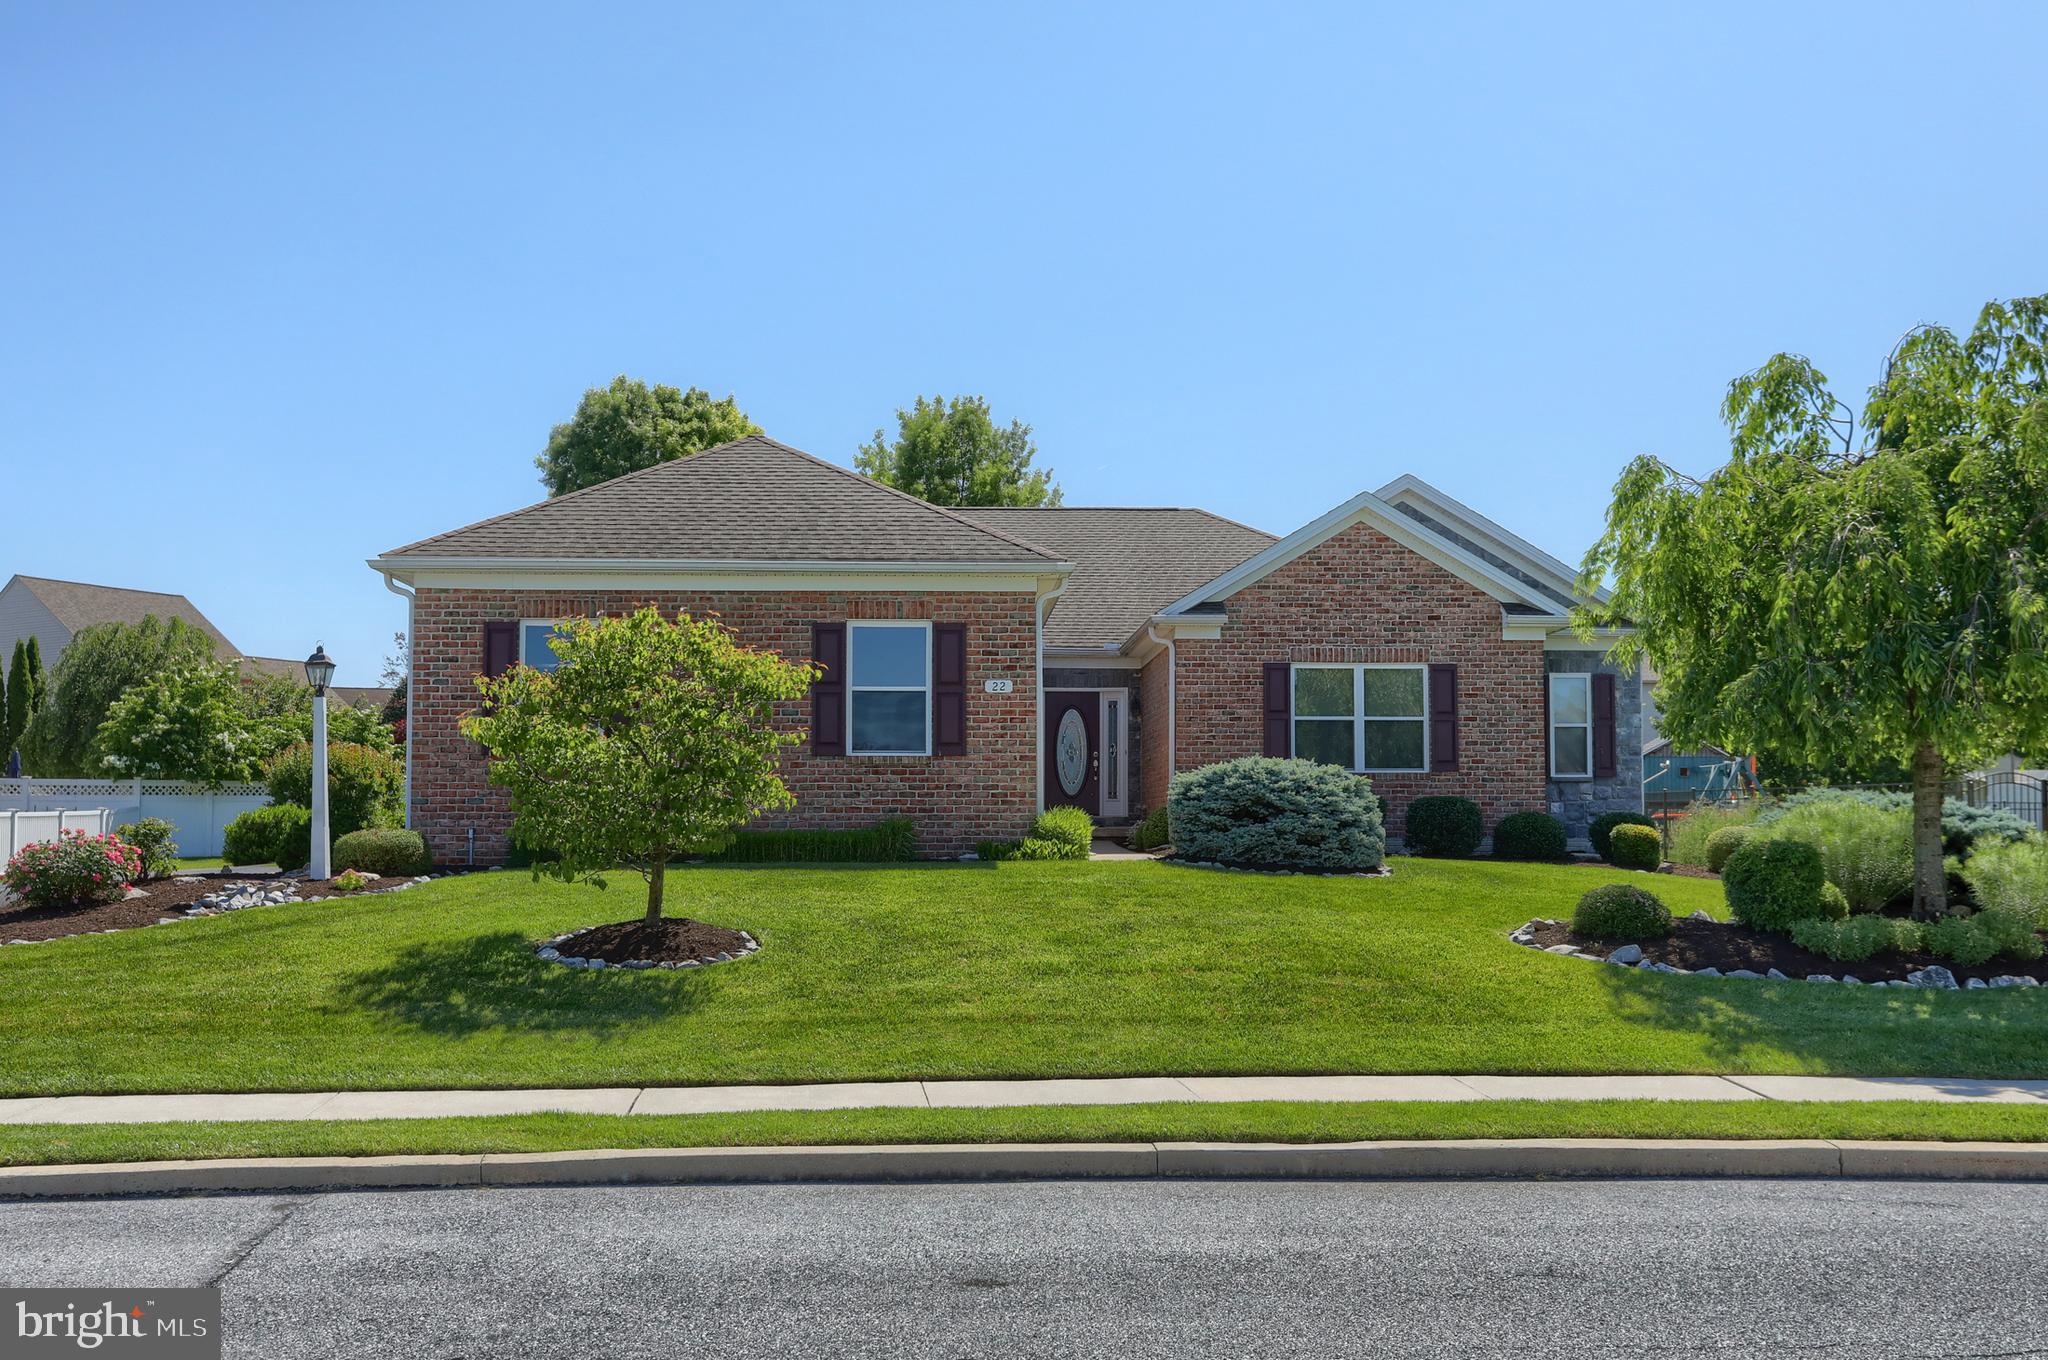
1360,596
988,793
1576,802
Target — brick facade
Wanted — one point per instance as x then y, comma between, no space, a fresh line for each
1357,597
988,793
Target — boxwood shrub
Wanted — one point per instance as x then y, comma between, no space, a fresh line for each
281,834
1603,826
1268,813
1444,824
1529,835
1723,843
383,851
1153,832
891,840
1635,846
1773,884
1621,911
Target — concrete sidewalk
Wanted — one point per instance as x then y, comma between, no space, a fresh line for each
997,1094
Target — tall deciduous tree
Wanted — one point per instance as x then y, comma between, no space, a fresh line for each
1840,598
651,741
102,663
629,426
951,452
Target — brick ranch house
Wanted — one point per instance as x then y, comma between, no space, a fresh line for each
983,664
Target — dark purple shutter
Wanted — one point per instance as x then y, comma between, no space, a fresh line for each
1279,707
1443,718
949,688
501,647
828,691
1603,727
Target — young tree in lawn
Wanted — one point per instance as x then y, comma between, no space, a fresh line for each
951,452
1845,600
187,723
652,741
629,426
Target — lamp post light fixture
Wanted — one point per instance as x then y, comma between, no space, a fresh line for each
319,672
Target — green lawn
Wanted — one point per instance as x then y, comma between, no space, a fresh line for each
39,1144
185,865
1010,970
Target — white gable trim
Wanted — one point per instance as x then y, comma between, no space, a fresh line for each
1365,508
1524,554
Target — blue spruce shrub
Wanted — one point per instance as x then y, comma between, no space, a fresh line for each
1265,813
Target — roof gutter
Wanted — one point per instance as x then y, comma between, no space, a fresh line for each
1172,726
407,596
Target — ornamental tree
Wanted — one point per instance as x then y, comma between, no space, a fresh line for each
951,452
1844,598
187,723
103,662
629,426
650,742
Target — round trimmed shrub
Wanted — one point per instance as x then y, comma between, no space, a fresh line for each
1603,828
1444,824
1153,832
383,851
281,834
1635,846
1529,835
1723,843
362,784
1773,884
1266,813
1621,911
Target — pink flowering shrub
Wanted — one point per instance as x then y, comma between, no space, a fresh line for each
73,869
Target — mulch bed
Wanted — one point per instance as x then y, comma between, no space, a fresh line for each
162,897
1693,945
667,941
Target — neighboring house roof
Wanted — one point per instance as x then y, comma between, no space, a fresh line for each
78,605
1128,563
1662,747
355,696
750,500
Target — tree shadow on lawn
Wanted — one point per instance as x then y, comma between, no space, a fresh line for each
1849,1031
494,982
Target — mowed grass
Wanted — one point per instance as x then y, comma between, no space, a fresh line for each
1317,1122
1013,970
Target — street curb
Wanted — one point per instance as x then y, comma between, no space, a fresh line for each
1523,1158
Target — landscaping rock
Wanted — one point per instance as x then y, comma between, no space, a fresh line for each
1744,973
1974,984
1628,953
1934,976
1701,916
1851,980
1776,976
1818,977
1562,949
1708,972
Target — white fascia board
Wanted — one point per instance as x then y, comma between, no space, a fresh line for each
556,573
1364,508
1509,544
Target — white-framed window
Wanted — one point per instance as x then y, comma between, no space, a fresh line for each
533,644
1571,725
1369,718
889,688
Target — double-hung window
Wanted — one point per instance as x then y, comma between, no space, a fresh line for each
1367,718
1571,726
889,688
534,651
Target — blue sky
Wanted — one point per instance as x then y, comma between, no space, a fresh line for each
288,286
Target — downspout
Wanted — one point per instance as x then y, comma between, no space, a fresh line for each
410,642
1039,613
1172,724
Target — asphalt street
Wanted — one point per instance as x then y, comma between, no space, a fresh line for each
1124,1269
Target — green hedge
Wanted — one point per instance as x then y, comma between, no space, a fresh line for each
281,834
887,842
1529,835
1444,824
384,851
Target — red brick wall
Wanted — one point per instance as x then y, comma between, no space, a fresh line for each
1153,773
1363,597
988,793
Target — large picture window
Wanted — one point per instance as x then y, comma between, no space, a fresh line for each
1571,726
1365,718
889,688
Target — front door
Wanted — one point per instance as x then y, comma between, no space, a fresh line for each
1073,749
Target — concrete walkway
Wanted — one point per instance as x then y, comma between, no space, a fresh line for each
996,1094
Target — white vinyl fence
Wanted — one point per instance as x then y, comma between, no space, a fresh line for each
19,830
197,814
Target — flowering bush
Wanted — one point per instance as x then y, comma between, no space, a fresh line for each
73,869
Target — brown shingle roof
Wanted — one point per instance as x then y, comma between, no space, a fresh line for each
751,500
1128,563
78,605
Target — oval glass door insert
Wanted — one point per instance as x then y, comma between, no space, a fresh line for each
1070,752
